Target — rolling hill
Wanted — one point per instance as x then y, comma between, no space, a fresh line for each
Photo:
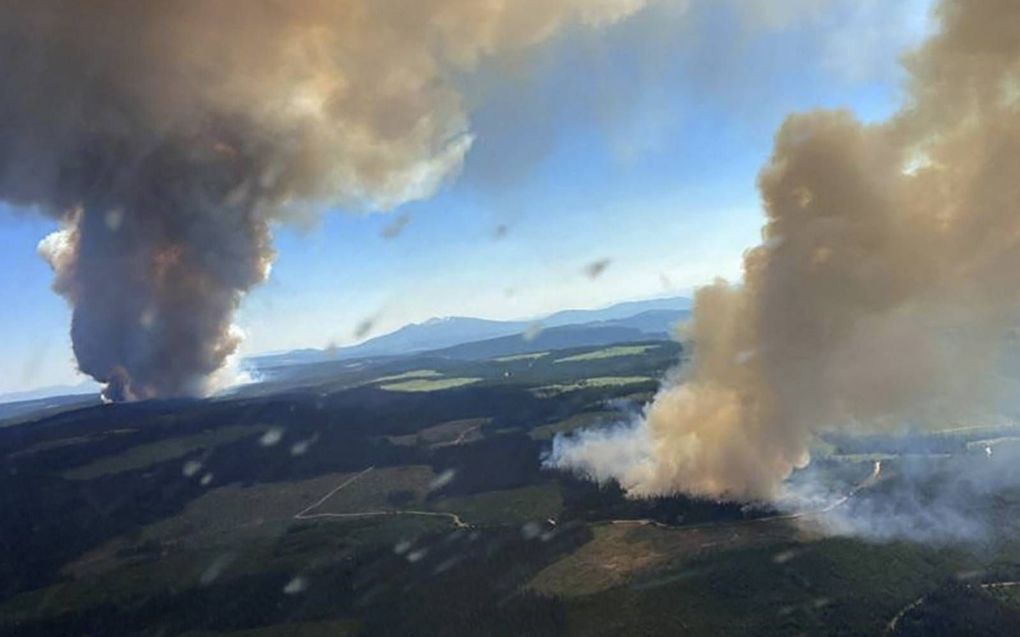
654,317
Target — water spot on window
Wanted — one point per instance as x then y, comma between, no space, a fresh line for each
595,269
295,586
271,437
443,479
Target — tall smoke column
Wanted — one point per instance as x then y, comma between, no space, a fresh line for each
167,136
886,278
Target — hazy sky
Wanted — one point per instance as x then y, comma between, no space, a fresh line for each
639,144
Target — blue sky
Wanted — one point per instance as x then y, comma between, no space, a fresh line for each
640,145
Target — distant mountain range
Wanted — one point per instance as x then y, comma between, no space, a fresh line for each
466,337
556,338
85,387
36,404
453,337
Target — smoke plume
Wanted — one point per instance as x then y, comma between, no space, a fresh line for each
168,136
884,284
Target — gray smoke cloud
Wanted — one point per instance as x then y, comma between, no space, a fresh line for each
880,295
942,490
168,136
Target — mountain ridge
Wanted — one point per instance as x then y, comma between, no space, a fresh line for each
441,333
462,336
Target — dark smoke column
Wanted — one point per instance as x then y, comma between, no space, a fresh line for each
167,136
155,266
117,119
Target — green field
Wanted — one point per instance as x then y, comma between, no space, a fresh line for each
372,491
577,421
429,385
415,373
609,352
521,357
149,454
824,586
535,503
592,383
447,433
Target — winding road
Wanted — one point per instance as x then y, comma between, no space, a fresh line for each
306,513
302,515
891,626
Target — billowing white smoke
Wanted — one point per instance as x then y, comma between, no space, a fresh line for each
885,281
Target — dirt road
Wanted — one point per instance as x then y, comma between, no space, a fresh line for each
306,513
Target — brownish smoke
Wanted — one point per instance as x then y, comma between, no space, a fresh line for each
885,281
168,135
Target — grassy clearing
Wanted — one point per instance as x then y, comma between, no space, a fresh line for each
378,490
151,453
307,538
620,552
172,567
548,432
520,357
792,588
234,516
454,432
230,509
417,373
409,440
591,383
225,515
512,506
424,385
609,352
